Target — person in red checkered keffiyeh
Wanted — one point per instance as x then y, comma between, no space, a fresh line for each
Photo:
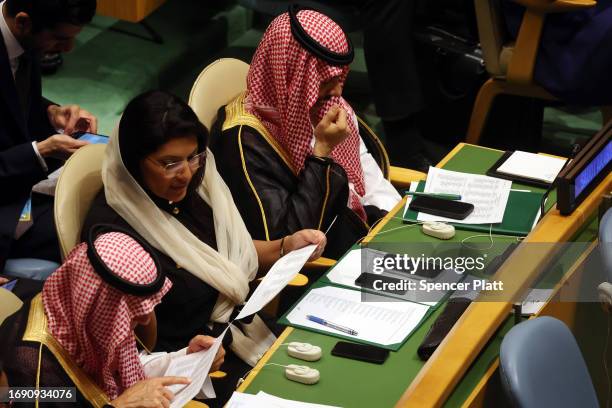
84,321
292,145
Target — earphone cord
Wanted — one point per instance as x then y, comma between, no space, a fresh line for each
490,236
241,379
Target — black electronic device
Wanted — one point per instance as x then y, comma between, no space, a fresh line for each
457,210
585,172
362,352
366,280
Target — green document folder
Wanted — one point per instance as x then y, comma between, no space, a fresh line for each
394,347
521,210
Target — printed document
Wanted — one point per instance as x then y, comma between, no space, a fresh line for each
281,273
196,367
379,320
488,194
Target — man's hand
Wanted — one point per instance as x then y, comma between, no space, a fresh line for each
3,280
304,238
150,393
199,343
59,146
72,119
330,132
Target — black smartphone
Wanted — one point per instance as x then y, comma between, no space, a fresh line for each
430,273
366,280
457,210
362,352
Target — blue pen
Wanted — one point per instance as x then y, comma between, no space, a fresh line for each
332,325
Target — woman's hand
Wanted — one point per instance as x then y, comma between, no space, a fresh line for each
200,342
150,393
304,238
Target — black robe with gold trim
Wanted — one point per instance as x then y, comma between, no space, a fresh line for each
273,199
32,357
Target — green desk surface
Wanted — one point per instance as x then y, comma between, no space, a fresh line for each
350,383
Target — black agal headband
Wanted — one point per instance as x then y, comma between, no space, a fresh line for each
312,46
111,277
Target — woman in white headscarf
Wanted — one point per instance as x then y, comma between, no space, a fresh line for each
161,182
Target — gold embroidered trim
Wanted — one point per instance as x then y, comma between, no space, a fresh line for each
383,151
326,196
36,330
236,115
246,174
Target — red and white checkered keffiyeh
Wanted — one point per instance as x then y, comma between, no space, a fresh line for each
283,85
92,320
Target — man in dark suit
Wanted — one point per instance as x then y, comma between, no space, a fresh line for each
34,133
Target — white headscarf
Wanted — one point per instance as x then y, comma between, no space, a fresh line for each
229,269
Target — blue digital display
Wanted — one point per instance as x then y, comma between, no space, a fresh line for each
596,166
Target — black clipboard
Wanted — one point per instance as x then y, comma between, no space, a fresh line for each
523,180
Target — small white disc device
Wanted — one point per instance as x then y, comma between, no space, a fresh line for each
302,374
304,351
439,230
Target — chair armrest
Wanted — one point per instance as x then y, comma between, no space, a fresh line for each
299,280
217,374
556,6
30,268
321,263
401,177
195,404
522,64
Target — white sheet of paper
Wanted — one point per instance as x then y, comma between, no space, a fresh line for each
488,194
347,270
383,322
535,300
281,273
273,401
264,400
533,166
47,186
243,400
195,366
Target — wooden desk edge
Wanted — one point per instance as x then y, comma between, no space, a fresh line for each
476,398
443,371
264,360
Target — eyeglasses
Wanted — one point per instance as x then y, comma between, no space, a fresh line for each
175,168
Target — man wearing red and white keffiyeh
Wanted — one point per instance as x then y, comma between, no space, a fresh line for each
296,96
93,321
283,92
90,329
